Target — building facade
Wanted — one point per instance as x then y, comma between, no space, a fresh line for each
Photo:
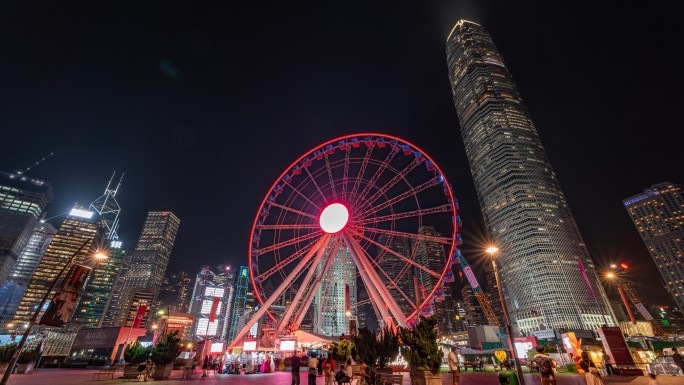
547,275
22,203
174,295
209,303
81,228
145,267
658,214
330,301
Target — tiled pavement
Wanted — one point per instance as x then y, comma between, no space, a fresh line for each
75,376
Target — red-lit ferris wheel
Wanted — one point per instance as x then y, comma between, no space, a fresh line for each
375,198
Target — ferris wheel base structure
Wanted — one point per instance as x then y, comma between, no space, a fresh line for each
376,198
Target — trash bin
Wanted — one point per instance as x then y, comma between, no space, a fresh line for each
508,377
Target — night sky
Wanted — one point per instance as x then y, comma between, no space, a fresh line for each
204,106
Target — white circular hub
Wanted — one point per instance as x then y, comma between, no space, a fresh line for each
334,218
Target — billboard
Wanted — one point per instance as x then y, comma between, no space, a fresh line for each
614,344
249,346
524,345
64,302
287,345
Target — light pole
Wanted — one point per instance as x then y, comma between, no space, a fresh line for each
491,251
34,318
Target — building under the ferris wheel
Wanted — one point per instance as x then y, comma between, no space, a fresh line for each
362,220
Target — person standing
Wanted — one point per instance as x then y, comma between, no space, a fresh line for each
313,369
677,358
452,360
295,364
329,369
546,366
591,373
606,363
205,365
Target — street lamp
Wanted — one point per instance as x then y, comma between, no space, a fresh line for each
492,250
34,318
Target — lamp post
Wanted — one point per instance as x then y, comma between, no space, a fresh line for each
34,318
492,250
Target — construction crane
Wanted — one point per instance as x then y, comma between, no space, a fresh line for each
477,289
22,172
626,293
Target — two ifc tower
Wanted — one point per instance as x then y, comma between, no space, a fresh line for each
549,280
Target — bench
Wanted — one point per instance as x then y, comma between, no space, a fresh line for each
131,372
391,379
104,372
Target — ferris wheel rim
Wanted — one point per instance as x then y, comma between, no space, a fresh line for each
429,298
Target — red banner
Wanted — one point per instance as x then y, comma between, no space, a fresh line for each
615,345
214,308
347,301
139,316
64,302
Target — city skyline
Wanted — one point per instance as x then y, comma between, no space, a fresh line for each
183,163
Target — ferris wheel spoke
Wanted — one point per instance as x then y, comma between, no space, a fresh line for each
386,187
318,188
285,320
362,170
290,209
281,265
296,190
418,237
289,242
445,208
317,283
289,227
403,258
330,176
394,200
378,173
345,175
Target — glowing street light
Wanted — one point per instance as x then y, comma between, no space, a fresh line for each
492,250
610,275
100,256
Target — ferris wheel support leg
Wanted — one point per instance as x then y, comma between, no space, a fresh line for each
382,289
309,274
276,294
317,283
372,290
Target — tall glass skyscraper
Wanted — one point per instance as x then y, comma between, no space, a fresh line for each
330,300
658,214
22,202
549,280
146,266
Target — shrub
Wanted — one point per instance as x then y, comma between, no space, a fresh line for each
366,346
136,353
7,352
167,350
420,345
28,356
388,346
341,350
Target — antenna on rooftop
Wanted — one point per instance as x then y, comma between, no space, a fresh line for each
36,163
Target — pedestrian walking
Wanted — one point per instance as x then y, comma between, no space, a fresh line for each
546,366
452,360
591,373
205,365
329,369
295,364
313,369
677,358
607,364
320,366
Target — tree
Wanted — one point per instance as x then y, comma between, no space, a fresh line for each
367,346
136,353
420,345
388,346
167,350
341,350
7,352
30,355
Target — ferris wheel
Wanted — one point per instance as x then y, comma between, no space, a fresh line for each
377,199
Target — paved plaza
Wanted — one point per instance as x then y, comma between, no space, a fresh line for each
75,376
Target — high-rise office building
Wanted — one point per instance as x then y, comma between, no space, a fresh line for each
239,303
658,214
548,278
330,301
209,303
80,228
99,287
431,254
145,267
175,291
473,311
493,296
13,289
395,269
22,202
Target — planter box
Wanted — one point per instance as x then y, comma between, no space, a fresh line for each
25,368
162,371
420,377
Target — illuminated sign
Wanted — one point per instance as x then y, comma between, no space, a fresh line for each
217,347
116,244
81,213
287,345
249,346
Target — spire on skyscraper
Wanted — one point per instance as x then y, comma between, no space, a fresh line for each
108,208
